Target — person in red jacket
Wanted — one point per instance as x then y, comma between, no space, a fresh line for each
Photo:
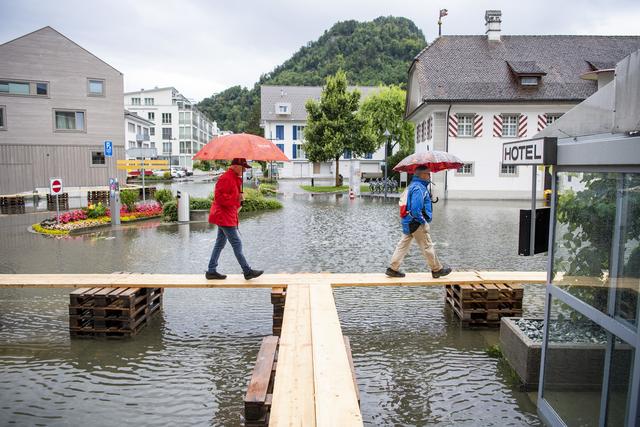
226,204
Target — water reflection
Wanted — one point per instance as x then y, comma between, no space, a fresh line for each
414,364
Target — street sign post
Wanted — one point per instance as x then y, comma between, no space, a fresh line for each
108,148
55,189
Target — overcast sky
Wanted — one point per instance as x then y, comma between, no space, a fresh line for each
203,47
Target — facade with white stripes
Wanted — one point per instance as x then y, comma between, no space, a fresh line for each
469,94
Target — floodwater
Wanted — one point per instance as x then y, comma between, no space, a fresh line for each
190,366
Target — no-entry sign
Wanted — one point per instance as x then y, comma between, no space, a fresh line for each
55,186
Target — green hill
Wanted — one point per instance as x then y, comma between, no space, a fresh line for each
371,53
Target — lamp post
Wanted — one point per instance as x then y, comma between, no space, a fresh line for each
387,136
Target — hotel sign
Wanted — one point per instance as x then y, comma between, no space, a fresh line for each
541,151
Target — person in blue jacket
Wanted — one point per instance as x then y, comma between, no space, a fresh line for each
416,226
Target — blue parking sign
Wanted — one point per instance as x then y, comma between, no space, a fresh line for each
108,148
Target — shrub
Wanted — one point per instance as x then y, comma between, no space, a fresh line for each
170,211
254,201
96,211
267,189
199,203
163,196
167,175
129,199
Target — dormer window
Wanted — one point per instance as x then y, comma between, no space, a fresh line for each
283,108
529,81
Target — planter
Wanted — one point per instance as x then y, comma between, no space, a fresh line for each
570,366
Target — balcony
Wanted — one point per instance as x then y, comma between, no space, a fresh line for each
141,137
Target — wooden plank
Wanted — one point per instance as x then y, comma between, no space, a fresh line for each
347,346
523,277
264,281
293,391
256,396
336,397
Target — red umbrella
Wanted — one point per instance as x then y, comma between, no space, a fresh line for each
241,145
435,160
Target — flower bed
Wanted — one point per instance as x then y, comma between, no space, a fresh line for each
95,216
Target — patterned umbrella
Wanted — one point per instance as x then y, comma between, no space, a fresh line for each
436,161
241,145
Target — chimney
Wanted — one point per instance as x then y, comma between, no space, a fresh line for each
492,20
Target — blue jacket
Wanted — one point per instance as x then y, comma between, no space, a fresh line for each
418,204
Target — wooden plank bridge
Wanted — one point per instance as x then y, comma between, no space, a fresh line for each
313,383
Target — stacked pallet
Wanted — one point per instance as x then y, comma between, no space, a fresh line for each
11,204
112,312
484,304
99,196
278,297
257,400
149,192
63,202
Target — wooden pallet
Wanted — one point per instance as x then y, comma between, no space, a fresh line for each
112,312
94,197
278,298
63,202
12,204
483,305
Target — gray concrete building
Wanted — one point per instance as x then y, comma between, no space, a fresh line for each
58,104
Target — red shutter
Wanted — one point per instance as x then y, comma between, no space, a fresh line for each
542,122
453,125
497,126
477,125
522,125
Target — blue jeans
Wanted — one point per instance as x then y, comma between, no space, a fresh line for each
230,234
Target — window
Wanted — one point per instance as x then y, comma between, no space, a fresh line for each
132,144
166,133
280,132
152,131
508,170
283,108
148,101
509,125
529,81
132,128
553,117
166,147
465,124
368,156
145,132
465,170
139,129
135,101
3,120
185,147
298,152
184,117
151,116
166,118
24,88
347,154
281,147
95,87
184,132
98,158
68,120
298,133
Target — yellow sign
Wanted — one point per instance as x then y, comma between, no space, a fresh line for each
143,164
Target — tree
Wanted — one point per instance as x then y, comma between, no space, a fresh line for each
385,110
334,126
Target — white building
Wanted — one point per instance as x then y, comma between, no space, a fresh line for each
137,131
468,94
284,117
180,130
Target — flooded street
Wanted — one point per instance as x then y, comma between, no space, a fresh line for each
414,364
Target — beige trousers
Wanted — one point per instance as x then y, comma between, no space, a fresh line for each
423,239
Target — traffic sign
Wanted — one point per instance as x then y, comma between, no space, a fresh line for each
55,186
108,148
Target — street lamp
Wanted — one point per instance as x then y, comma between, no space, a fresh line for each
387,136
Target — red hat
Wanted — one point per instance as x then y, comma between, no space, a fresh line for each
241,161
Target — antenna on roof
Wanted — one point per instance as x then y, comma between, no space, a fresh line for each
443,13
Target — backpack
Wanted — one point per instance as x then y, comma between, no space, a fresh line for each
404,197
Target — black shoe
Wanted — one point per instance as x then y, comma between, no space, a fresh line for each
393,273
442,272
214,276
252,274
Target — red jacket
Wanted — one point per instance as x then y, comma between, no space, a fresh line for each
226,200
